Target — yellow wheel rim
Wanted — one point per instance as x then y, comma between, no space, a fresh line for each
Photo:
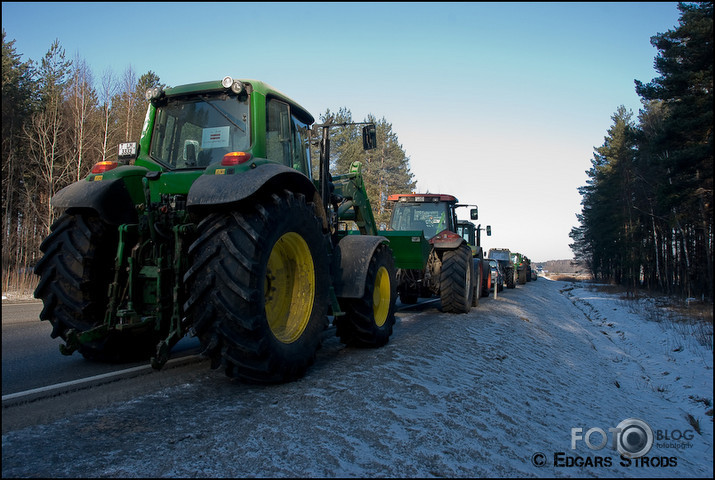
289,287
381,297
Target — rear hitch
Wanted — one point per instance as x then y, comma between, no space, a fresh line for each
76,339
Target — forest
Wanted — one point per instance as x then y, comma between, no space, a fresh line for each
58,120
646,219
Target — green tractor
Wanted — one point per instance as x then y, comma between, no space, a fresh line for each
472,234
529,270
213,225
522,267
445,267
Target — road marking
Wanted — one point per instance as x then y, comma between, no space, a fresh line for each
64,387
52,390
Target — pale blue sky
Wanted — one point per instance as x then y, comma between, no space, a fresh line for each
472,90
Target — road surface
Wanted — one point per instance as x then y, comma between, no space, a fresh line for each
471,395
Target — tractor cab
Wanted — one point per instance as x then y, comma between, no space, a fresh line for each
430,213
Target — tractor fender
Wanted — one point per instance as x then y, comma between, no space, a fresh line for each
109,198
486,270
479,258
351,260
217,190
448,243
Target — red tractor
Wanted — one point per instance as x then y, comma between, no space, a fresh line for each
447,268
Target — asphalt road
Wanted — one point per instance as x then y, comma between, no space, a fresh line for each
31,358
416,407
39,384
88,429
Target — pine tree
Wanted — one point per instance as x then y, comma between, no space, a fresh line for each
608,231
647,205
385,169
685,145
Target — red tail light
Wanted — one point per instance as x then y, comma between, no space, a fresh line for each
446,235
101,167
235,158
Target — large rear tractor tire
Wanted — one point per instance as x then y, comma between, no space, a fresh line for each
509,274
522,276
477,266
368,321
456,280
258,288
486,283
75,273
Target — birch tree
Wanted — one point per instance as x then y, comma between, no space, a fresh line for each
46,136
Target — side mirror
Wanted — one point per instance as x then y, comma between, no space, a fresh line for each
474,214
369,137
127,152
489,230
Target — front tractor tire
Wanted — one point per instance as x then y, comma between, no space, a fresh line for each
368,321
258,288
456,280
75,273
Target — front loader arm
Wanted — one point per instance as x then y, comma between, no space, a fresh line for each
356,205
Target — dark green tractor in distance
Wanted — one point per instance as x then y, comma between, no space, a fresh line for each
522,267
445,267
472,234
529,270
212,224
503,256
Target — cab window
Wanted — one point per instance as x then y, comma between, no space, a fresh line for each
194,132
286,137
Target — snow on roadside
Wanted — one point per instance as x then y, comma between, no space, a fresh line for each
496,392
661,369
14,296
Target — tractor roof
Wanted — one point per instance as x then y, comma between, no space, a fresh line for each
421,197
258,87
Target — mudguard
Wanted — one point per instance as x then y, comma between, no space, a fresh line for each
109,198
486,269
212,190
351,260
448,244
